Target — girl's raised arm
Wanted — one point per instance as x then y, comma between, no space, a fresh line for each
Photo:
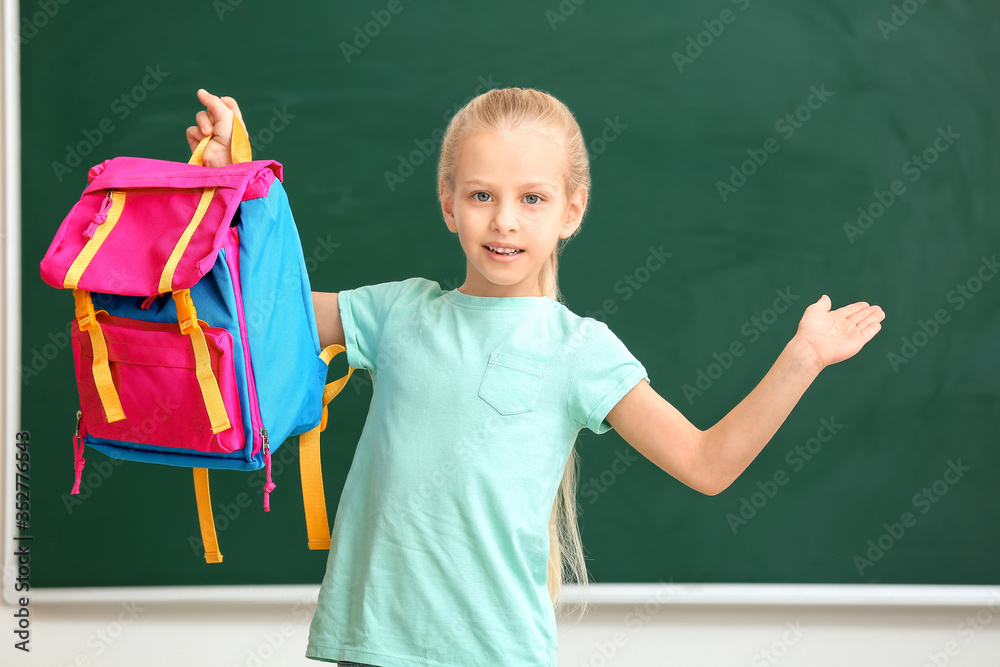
331,329
709,461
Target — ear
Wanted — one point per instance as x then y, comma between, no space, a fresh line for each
447,206
574,213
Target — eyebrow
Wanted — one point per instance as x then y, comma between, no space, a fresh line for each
523,186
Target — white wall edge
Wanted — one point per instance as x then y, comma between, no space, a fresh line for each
10,292
599,594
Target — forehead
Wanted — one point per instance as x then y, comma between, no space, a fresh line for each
520,157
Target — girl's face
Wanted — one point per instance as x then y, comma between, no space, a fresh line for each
509,193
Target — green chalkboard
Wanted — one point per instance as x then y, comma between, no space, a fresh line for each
777,151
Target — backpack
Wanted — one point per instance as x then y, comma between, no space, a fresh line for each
194,339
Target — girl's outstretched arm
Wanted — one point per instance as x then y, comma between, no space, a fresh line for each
328,324
709,461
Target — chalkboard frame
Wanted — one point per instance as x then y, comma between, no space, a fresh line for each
10,355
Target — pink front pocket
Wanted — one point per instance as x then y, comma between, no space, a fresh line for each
153,368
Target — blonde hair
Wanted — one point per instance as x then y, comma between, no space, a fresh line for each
509,111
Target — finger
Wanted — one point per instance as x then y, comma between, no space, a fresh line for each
864,313
204,123
231,103
206,97
869,331
872,315
823,302
219,113
852,309
206,118
194,136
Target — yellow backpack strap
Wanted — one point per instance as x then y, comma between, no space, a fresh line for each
188,319
101,229
310,466
167,276
86,318
209,539
239,145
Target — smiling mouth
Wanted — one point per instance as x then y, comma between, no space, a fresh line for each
503,251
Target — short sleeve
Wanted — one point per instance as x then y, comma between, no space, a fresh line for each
364,312
604,371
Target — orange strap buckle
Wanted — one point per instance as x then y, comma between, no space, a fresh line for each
85,315
187,316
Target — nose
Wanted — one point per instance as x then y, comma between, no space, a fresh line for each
505,218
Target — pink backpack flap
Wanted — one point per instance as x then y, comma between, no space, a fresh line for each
172,219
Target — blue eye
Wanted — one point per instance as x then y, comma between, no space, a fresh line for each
475,195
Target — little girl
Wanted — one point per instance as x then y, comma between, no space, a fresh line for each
457,522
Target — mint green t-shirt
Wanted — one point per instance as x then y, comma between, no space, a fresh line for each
440,544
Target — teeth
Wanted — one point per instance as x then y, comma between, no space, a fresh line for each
506,251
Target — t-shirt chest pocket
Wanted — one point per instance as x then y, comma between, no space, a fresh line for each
512,383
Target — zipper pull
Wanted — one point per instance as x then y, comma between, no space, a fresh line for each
78,460
269,486
99,217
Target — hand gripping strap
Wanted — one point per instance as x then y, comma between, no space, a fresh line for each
239,145
86,319
209,539
310,466
188,319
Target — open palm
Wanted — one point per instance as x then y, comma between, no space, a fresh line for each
835,335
